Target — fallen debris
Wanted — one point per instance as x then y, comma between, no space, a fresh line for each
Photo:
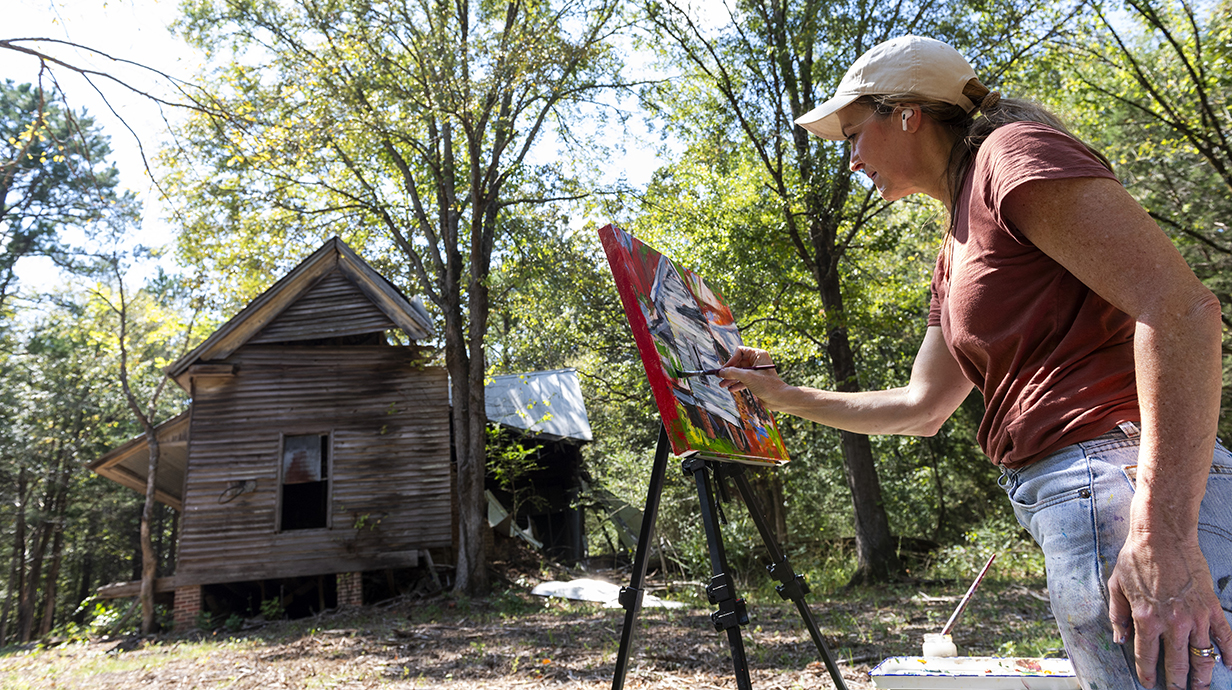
597,590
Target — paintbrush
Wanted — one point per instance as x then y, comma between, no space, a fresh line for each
949,625
715,372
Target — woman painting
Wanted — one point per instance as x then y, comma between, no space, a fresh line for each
1095,347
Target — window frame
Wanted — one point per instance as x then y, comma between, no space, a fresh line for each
328,447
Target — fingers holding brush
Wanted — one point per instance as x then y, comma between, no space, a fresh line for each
748,357
750,369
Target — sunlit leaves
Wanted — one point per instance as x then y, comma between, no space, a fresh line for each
54,176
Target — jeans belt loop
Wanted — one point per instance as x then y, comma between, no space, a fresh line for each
1129,429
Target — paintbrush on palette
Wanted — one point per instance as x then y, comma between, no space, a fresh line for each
715,372
949,625
942,644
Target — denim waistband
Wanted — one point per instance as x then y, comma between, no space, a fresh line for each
1123,435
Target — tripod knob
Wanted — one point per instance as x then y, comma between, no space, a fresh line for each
731,613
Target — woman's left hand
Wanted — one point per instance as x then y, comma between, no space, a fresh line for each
1161,593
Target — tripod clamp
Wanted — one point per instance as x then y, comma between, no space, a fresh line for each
732,610
630,598
792,585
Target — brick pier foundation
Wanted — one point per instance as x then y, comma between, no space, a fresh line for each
350,589
187,607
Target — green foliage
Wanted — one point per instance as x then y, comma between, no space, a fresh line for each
376,118
234,622
113,618
272,609
205,621
61,409
365,521
1018,557
511,463
54,176
515,602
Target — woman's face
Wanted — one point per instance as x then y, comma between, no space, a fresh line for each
892,157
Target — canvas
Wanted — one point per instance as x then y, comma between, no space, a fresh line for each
681,324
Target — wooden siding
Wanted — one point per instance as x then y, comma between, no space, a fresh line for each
333,256
388,421
333,307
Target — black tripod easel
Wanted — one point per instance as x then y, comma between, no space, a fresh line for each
721,591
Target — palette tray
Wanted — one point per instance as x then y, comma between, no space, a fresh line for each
974,672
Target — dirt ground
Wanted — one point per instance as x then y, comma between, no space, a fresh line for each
515,640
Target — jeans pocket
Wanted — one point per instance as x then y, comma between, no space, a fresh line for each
1054,514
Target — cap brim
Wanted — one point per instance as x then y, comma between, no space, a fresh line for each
823,120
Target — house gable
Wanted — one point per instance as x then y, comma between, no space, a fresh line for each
317,282
334,307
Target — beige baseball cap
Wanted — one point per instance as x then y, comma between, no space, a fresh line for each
914,65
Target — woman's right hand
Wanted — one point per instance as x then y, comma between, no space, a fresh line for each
738,374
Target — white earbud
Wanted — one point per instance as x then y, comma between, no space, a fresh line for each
906,116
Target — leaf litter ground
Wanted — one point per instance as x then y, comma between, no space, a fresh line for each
515,640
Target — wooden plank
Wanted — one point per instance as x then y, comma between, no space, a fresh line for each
333,307
388,419
208,369
120,590
409,314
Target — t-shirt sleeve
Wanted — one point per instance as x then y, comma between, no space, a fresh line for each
1027,151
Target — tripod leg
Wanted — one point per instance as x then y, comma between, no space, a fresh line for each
792,586
631,596
732,612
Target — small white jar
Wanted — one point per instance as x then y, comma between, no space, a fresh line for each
938,645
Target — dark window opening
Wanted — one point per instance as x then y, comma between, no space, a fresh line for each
305,482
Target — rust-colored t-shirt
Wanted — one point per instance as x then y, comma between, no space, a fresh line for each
1054,360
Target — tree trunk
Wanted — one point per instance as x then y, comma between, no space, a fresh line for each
85,582
471,570
50,588
149,563
17,568
876,555
134,545
477,435
28,599
51,581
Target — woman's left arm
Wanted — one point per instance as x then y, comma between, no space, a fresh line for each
1161,588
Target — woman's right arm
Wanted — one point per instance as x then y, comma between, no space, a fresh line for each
936,388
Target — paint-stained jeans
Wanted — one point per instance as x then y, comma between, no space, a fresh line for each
1075,503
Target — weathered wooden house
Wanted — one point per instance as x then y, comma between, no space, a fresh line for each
314,449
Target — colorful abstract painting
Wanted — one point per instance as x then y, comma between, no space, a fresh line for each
680,324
